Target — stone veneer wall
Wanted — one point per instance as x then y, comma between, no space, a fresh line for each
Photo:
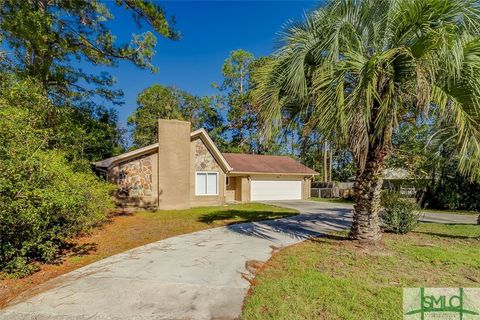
134,177
204,161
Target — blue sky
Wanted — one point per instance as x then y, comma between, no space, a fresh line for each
210,30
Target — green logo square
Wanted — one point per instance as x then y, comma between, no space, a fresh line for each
441,303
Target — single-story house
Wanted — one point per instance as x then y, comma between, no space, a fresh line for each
185,169
403,181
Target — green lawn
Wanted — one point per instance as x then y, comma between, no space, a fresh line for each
334,278
207,217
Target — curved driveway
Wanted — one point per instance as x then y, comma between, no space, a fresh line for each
201,275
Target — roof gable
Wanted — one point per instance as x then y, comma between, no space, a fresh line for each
200,133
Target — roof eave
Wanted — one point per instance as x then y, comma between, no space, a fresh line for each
125,156
145,150
233,172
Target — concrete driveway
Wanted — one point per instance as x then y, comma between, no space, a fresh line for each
201,275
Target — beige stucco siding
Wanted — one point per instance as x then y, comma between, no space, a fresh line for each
173,164
230,189
242,191
202,160
306,188
245,189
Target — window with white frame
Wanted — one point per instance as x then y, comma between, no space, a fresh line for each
206,183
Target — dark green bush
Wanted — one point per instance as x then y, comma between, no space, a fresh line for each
451,191
399,215
44,201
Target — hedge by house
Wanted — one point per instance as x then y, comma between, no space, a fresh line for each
44,201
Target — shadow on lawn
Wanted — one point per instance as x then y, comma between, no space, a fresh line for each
450,236
244,215
324,237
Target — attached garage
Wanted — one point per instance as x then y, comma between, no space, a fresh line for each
265,177
265,189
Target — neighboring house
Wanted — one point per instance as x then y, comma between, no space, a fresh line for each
185,169
401,181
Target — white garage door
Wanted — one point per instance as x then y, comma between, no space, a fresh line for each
263,189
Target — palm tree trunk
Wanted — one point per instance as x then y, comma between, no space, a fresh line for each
367,192
330,170
325,164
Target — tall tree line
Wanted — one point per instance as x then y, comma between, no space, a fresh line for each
232,119
54,119
47,40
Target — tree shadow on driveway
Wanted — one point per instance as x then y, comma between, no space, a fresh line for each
302,226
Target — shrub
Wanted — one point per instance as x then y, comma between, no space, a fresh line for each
399,215
44,201
452,191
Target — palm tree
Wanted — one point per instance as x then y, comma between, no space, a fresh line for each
361,68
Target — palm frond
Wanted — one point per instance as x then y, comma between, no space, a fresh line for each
360,67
